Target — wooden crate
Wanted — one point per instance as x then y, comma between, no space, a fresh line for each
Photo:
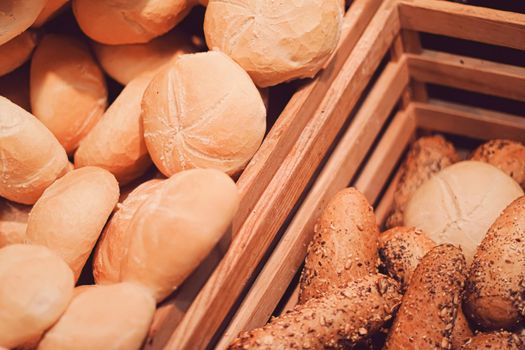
395,107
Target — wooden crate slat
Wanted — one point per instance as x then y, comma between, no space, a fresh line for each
226,283
383,208
464,22
279,270
467,73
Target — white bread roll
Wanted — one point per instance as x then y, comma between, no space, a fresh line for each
50,9
17,51
13,222
31,157
126,62
116,142
68,91
128,22
275,41
458,204
71,213
115,239
35,289
177,227
203,111
16,16
113,317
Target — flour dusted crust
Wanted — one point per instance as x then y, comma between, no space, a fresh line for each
275,41
16,16
203,111
17,51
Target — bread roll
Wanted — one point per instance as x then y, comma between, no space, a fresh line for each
335,321
13,222
177,227
71,213
459,204
275,41
16,51
506,155
15,87
426,157
128,22
115,317
16,16
116,238
126,62
203,111
428,310
116,142
49,10
31,157
496,340
495,293
344,246
68,91
35,288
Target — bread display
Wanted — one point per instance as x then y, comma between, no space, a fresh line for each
68,91
275,41
427,156
31,158
16,51
35,289
459,204
496,340
203,111
344,246
13,222
18,15
84,198
50,9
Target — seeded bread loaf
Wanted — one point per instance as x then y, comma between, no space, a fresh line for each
495,341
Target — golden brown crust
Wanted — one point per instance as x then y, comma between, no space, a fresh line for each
506,155
426,157
495,290
461,332
335,321
428,310
344,246
17,15
495,341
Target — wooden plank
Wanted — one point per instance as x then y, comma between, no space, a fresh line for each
229,279
467,73
383,208
480,24
469,121
287,257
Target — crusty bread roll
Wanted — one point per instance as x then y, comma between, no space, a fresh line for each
68,91
15,87
116,238
426,157
459,204
344,246
115,317
275,41
50,9
17,51
71,213
203,111
128,22
35,288
506,155
31,157
126,62
13,222
16,16
495,341
116,142
176,227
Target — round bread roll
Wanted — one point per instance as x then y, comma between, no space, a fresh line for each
13,222
495,341
506,155
35,289
459,204
176,227
16,16
71,213
15,87
17,51
115,240
113,317
126,62
116,142
68,91
275,41
128,22
31,157
203,111
50,9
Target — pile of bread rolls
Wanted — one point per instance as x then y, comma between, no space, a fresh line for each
448,273
183,123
